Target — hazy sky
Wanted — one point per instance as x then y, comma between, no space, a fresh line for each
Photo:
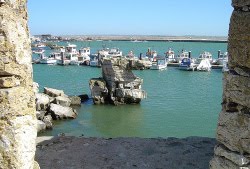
125,17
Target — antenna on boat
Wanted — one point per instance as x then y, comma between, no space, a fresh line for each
219,53
189,54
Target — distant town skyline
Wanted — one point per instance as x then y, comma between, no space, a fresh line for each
130,17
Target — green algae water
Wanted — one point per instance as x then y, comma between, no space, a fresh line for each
179,103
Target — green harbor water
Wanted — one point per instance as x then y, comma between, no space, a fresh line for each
179,103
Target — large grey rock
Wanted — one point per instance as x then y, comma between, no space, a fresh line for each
17,106
237,89
60,112
84,97
222,163
63,101
233,131
239,40
9,81
99,91
48,121
238,159
40,115
42,101
40,126
53,92
75,100
35,87
240,3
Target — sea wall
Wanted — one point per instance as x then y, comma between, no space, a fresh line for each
233,131
17,102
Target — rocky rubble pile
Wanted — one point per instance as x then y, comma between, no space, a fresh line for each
53,104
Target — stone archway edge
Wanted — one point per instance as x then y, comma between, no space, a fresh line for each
17,103
233,131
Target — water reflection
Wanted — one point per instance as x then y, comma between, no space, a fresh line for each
117,121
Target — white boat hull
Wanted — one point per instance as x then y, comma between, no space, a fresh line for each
158,67
65,62
48,61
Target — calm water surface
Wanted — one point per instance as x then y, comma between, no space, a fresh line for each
179,103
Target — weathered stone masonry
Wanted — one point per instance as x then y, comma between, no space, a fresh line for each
233,132
17,107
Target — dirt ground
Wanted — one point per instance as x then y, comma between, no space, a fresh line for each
124,153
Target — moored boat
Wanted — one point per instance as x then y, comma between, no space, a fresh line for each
188,64
204,65
84,56
47,60
114,53
170,56
38,51
182,55
151,54
159,63
204,55
222,57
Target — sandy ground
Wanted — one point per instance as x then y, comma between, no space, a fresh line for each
124,153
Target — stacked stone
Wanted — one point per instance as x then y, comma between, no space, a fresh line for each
17,103
123,86
233,132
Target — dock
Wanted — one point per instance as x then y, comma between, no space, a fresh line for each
177,65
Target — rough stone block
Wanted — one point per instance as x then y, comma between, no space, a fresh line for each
17,141
236,158
42,101
234,131
239,53
7,82
63,101
53,92
75,100
48,121
16,101
40,126
240,3
237,89
59,112
239,40
222,163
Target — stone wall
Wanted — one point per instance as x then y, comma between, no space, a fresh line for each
17,107
233,131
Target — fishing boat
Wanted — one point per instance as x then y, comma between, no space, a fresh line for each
181,56
38,51
170,56
114,53
40,45
151,54
84,56
204,55
47,60
159,63
131,55
204,65
222,57
71,54
188,64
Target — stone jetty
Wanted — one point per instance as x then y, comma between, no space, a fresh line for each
52,105
118,84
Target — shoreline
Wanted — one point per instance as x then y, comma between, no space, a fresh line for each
143,38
